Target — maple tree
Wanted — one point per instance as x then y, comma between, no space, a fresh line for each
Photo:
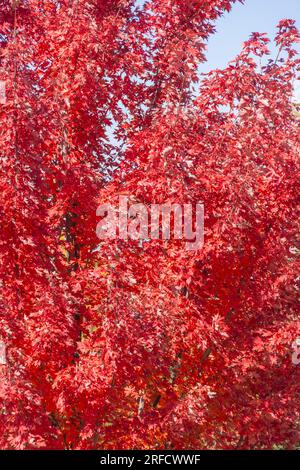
118,344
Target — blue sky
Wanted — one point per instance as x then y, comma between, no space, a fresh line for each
235,27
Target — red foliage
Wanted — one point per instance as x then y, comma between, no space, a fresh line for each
119,345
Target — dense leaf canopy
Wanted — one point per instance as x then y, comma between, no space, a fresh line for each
117,344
